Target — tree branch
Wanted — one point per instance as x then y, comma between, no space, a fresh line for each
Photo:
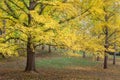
18,6
8,13
113,33
42,9
13,38
25,4
74,17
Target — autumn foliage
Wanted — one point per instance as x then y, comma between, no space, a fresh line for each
91,26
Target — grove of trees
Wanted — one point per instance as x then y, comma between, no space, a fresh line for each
90,26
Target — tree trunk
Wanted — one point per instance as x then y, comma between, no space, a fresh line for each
2,55
43,47
106,45
84,54
114,58
105,61
49,49
98,58
30,65
55,48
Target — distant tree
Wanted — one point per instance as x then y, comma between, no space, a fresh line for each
107,25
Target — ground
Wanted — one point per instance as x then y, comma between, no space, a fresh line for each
59,68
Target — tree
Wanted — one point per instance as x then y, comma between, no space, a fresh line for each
35,22
106,24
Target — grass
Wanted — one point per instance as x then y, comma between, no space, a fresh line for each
62,62
59,68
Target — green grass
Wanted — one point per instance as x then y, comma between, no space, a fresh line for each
62,62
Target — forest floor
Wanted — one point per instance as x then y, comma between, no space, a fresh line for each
59,68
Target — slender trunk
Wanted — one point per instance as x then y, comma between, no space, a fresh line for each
43,47
49,49
114,58
98,58
105,61
55,48
30,65
106,32
84,54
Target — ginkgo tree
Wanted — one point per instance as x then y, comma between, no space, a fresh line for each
36,22
106,24
53,22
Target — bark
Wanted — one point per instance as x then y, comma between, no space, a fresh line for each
98,58
106,47
114,58
55,48
2,55
106,32
105,61
49,49
43,47
84,54
30,65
